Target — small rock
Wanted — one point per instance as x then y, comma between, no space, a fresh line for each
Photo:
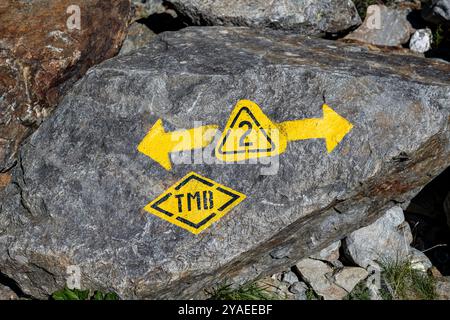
383,26
289,277
442,288
421,40
299,290
349,277
145,8
316,273
330,253
388,239
7,294
419,260
276,287
138,36
438,12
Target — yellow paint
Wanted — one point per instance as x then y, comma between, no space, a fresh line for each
194,203
158,144
332,127
248,134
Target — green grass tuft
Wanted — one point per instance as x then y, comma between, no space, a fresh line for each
405,283
360,292
250,291
76,294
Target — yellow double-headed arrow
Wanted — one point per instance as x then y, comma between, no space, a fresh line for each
158,144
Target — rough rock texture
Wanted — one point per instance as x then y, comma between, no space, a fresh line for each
289,277
443,288
138,35
330,253
438,11
7,294
299,290
307,17
145,8
40,57
421,40
80,186
319,276
386,239
383,26
349,277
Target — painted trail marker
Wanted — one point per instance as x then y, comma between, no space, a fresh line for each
194,202
158,144
249,133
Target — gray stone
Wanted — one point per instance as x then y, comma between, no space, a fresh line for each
442,287
330,253
383,26
318,275
419,260
421,40
299,290
7,294
387,239
145,8
77,193
138,36
289,277
306,17
276,288
348,277
438,12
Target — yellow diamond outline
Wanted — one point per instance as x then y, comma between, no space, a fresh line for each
174,218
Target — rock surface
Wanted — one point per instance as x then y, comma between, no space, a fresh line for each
443,288
138,35
318,275
349,277
385,240
421,41
330,253
42,52
306,17
383,26
79,189
299,290
7,294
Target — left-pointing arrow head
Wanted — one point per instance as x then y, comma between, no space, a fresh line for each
158,144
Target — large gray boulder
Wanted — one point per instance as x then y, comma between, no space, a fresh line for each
80,186
307,16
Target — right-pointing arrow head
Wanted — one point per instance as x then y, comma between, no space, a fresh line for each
334,127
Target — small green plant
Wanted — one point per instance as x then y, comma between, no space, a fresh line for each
76,294
438,36
402,282
360,292
311,295
250,291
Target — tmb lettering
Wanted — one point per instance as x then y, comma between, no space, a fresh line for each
200,200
